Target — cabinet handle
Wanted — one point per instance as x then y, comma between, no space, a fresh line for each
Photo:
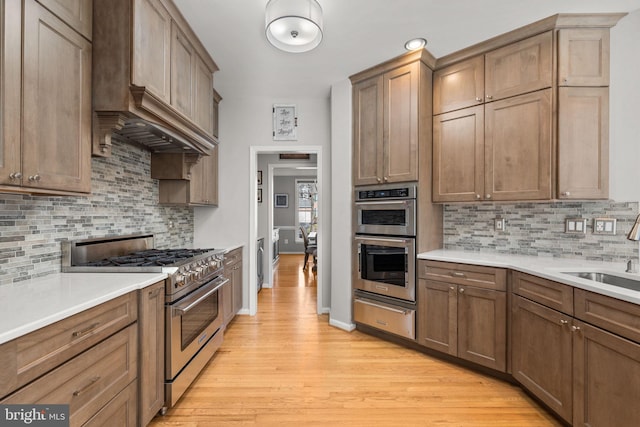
461,290
92,382
575,328
564,322
457,274
84,331
35,177
453,288
153,294
566,193
15,175
478,99
488,196
489,96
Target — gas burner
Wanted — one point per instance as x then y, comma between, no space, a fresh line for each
149,257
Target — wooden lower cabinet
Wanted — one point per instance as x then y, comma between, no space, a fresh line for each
541,350
232,291
151,347
606,378
464,321
120,411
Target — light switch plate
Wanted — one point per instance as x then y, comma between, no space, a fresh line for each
499,224
604,226
575,225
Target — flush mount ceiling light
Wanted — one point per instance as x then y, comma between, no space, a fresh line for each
415,44
294,25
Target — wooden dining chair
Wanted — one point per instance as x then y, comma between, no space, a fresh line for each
309,249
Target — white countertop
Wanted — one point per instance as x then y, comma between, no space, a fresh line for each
546,267
33,304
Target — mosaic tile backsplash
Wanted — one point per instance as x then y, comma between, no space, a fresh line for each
123,201
538,229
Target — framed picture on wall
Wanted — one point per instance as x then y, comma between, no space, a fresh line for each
259,177
281,200
285,122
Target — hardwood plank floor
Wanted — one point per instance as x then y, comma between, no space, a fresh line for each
288,272
287,366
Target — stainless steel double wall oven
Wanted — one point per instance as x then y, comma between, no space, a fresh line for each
384,250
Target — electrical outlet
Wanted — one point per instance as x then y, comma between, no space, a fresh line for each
499,224
286,241
604,226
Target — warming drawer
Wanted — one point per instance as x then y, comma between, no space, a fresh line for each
393,319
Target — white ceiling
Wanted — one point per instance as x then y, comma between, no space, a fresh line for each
357,34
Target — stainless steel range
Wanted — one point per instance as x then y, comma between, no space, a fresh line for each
193,312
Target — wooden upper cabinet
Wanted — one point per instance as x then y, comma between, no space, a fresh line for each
203,98
459,86
56,140
77,13
583,142
518,148
583,57
216,113
10,86
520,67
152,48
400,146
458,155
183,70
367,131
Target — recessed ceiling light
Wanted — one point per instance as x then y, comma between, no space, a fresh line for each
415,44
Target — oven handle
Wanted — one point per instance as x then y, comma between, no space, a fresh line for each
384,307
381,239
384,202
185,306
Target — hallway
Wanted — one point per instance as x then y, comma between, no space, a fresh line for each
287,366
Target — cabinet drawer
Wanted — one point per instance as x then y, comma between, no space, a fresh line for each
396,320
614,315
546,292
233,257
28,357
120,411
87,382
464,274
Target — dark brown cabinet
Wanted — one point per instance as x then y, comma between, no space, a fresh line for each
462,311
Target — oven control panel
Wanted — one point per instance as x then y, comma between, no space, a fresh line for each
385,192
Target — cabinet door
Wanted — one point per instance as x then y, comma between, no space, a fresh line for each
203,109
458,155
518,148
152,48
56,103
210,178
482,327
459,85
367,131
437,318
151,369
401,124
606,369
197,182
183,72
541,354
518,68
77,13
10,85
583,57
583,142
237,287
227,298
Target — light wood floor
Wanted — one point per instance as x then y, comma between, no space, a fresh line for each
287,367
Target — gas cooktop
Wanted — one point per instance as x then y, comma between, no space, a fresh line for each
149,257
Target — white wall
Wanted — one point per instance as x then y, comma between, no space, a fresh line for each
246,123
625,109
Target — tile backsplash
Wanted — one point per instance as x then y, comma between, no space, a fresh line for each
538,229
124,200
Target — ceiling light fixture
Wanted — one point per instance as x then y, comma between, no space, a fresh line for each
415,44
294,25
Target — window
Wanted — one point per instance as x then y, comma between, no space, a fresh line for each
306,206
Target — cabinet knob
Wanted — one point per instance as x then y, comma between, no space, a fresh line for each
575,328
478,196
566,193
379,180
489,96
461,290
488,196
15,175
564,322
35,177
386,178
478,99
453,288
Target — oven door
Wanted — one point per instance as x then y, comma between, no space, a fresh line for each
191,322
392,217
386,266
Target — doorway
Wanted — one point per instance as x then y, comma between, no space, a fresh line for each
266,204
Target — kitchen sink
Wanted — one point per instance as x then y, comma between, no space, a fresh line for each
607,278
